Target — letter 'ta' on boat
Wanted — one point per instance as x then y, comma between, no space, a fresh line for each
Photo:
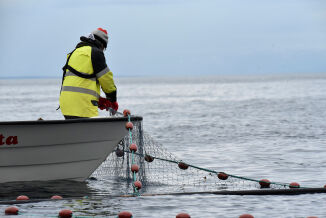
57,149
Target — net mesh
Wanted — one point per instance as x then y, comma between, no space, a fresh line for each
162,172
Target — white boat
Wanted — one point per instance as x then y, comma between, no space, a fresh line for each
57,149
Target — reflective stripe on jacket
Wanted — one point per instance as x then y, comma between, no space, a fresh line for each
81,91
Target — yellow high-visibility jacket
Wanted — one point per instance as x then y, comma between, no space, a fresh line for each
84,74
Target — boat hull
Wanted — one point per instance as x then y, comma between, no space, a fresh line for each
57,150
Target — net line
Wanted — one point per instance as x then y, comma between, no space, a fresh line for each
162,172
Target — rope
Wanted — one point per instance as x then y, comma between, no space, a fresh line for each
136,192
213,171
296,191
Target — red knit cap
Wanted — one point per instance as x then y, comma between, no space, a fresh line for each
101,35
103,30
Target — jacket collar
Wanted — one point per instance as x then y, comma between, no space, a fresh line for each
88,42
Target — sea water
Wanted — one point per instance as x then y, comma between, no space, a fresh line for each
270,127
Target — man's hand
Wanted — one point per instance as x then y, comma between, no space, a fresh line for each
104,103
115,105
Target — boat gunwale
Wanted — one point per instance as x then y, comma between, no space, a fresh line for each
81,120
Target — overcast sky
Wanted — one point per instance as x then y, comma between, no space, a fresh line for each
167,37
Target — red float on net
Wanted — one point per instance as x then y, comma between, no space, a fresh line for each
138,185
65,213
246,216
183,165
149,158
126,112
56,197
22,198
134,168
11,211
119,153
133,147
223,176
183,215
129,125
124,214
294,185
264,183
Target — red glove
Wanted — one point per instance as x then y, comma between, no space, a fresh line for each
114,105
103,103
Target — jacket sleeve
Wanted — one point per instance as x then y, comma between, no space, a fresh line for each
104,74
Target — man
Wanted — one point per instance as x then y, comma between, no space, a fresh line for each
84,74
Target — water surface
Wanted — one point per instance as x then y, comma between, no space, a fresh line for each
259,127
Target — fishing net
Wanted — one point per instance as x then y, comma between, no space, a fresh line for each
161,172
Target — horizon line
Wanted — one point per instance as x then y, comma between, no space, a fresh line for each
180,75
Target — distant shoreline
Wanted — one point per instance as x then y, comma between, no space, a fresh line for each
254,75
